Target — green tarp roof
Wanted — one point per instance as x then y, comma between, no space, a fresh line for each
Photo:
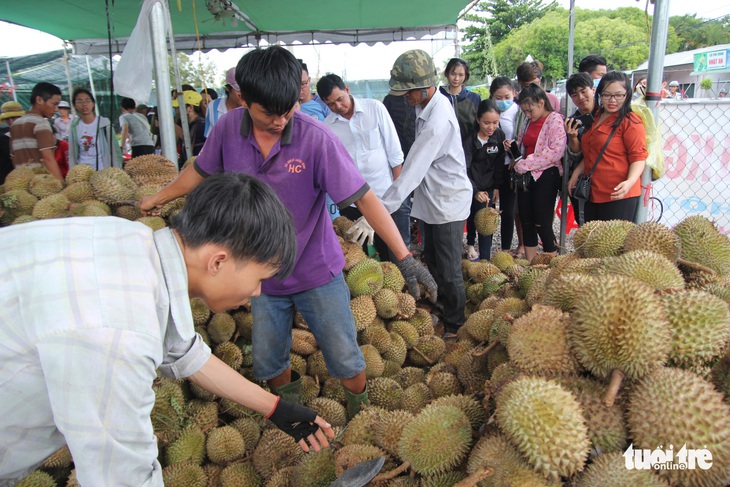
84,21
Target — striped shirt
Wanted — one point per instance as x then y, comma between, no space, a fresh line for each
90,309
29,135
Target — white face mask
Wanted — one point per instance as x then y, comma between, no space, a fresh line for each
595,82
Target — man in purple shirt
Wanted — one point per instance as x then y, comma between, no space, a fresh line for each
303,161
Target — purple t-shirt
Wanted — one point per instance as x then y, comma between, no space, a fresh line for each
305,165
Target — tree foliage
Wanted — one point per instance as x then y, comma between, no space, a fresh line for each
694,33
491,22
194,70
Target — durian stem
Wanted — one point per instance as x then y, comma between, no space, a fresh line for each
301,325
610,396
489,347
392,474
696,266
430,362
474,479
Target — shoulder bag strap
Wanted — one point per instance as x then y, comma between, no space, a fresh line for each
600,154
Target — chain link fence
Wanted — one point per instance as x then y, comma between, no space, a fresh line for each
696,142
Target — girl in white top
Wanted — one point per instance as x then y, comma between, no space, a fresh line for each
503,93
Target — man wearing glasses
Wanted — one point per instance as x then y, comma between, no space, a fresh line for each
311,103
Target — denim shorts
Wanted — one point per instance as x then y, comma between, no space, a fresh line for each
326,309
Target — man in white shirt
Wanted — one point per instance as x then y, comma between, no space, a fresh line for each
92,307
367,131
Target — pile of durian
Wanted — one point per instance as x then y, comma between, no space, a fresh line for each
560,366
30,194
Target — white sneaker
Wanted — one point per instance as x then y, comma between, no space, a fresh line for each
471,252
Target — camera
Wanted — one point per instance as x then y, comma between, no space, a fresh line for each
514,151
585,120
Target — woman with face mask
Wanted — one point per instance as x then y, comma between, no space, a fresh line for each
503,93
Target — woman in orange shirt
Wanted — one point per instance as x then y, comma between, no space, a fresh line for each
616,182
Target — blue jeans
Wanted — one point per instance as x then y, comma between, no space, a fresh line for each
326,309
485,242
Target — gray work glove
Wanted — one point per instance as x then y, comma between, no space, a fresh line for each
414,272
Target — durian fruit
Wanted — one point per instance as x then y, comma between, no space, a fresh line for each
24,219
244,324
151,169
609,470
303,342
365,278
19,178
79,173
317,368
332,388
409,376
239,474
188,447
388,430
374,366
72,481
530,276
647,266
510,469
316,469
79,192
341,225
350,455
275,450
224,444
61,459
353,254
184,475
457,351
128,212
392,277
701,326
486,222
472,372
221,328
469,405
478,272
200,310
202,414
377,337
43,185
361,429
703,244
654,237
545,422
230,354
386,303
332,411
436,440
605,239
38,478
385,392
606,426
310,388
538,343
250,429
443,384
90,208
112,185
407,332
620,327
422,322
154,222
443,479
564,292
363,311
676,407
428,351
502,259
189,162
53,206
16,203
406,306
479,323
397,350
168,412
414,398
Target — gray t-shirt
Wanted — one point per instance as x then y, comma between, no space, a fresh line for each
139,129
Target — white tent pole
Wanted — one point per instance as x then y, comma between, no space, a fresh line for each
10,78
91,83
162,82
178,87
568,109
68,80
655,70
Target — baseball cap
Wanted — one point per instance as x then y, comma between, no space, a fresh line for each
674,83
11,109
63,104
191,98
231,79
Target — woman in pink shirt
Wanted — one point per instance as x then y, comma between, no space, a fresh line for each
542,144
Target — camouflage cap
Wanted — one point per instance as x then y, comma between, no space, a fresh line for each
413,69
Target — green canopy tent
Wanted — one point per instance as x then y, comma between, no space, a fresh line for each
224,24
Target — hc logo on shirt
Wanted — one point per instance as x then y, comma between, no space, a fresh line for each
295,166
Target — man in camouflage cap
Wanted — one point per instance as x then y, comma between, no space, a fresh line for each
436,170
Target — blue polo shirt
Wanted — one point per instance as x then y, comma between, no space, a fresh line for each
307,163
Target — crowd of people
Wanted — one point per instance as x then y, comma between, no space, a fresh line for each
435,154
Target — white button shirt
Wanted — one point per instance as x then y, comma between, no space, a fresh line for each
435,168
90,308
371,140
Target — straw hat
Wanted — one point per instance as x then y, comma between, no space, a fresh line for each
11,109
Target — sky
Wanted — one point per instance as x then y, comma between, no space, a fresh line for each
352,62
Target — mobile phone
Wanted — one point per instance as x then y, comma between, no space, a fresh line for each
514,151
585,120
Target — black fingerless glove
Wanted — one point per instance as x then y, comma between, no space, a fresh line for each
293,419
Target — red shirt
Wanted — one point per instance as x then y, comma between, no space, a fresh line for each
628,145
61,156
531,135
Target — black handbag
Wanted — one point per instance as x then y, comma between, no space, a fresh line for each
519,182
582,188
